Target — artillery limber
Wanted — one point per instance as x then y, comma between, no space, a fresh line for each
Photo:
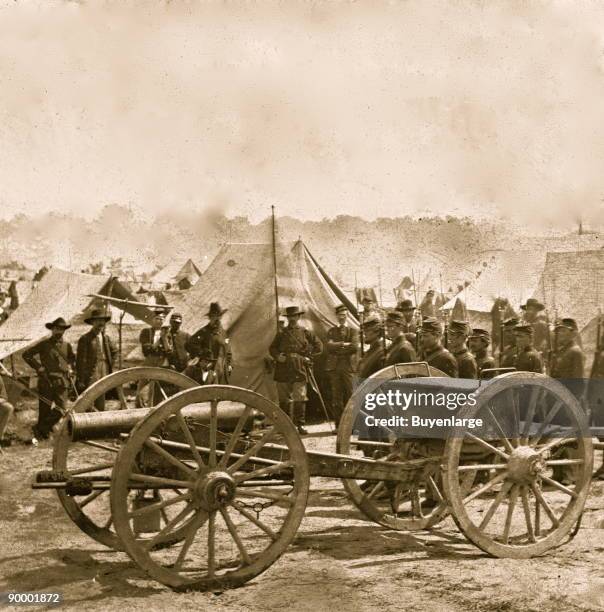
207,488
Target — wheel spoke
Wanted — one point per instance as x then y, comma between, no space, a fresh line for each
162,452
108,523
559,486
165,396
488,446
233,531
149,544
196,523
189,437
212,544
542,501
504,439
91,497
564,462
376,489
168,482
158,505
508,519
256,521
213,428
494,505
122,397
434,488
535,393
265,471
527,513
234,437
482,466
254,449
515,417
555,443
92,468
552,413
489,485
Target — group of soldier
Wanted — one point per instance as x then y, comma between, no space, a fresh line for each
64,373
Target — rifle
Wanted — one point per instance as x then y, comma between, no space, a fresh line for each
501,328
550,354
596,362
362,335
384,345
446,333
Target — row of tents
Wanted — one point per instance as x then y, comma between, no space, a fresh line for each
242,278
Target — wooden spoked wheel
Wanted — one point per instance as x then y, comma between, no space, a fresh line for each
532,467
417,504
243,498
95,458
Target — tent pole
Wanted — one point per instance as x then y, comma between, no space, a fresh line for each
275,268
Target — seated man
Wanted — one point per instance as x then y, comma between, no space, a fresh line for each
202,369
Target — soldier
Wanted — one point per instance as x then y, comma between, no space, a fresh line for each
433,352
528,358
410,326
96,354
479,341
458,336
179,357
293,350
541,338
213,337
373,359
6,411
155,341
507,359
342,349
371,310
53,360
400,350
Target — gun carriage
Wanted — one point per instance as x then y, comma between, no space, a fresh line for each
200,497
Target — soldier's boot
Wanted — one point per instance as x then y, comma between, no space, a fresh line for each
300,417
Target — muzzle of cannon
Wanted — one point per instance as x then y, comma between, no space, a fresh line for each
112,424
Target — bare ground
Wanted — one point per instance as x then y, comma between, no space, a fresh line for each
338,561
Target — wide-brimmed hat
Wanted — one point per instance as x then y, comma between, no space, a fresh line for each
292,311
215,310
97,313
60,322
568,323
532,302
405,305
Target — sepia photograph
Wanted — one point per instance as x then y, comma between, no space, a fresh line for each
301,305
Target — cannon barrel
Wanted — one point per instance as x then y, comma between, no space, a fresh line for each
112,423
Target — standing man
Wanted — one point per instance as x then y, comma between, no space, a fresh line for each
410,326
155,341
293,350
458,336
6,411
400,350
371,310
212,337
541,337
373,359
528,358
342,349
507,358
96,354
179,357
479,342
53,360
433,352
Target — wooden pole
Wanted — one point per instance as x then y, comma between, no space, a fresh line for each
275,268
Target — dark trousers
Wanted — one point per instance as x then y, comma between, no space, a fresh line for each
340,382
52,404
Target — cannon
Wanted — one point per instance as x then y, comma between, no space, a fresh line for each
208,488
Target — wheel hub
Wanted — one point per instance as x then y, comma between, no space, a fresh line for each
525,464
214,489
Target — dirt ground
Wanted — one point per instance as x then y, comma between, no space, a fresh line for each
337,560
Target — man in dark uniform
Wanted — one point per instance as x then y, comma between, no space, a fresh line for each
156,343
342,348
96,354
6,411
400,350
53,359
433,352
507,359
458,336
410,327
373,359
201,369
293,350
528,358
479,342
213,337
179,357
371,310
532,316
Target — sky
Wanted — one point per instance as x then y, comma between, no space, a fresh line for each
376,109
